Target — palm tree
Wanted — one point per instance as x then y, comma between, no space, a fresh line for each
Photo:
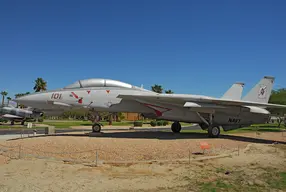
169,91
27,93
4,94
19,95
40,85
9,99
157,88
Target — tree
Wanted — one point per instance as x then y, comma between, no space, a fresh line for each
4,94
9,99
278,97
157,88
19,95
169,91
40,85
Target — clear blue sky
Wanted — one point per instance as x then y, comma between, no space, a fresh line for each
196,47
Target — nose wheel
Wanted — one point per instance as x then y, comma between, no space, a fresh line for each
176,127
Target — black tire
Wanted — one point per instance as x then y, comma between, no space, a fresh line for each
176,127
96,128
22,122
213,132
12,122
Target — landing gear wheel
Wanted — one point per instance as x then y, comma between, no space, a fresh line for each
176,127
96,128
12,122
22,122
213,132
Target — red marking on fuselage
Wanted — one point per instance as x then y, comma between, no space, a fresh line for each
158,113
107,91
75,95
80,101
88,91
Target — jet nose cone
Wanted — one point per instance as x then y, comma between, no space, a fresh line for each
25,100
22,99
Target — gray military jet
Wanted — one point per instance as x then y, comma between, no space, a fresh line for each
228,112
14,114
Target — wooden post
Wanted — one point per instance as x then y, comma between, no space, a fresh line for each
96,158
189,156
19,152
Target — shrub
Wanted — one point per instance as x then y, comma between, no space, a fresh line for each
159,123
138,123
3,120
153,123
165,123
31,120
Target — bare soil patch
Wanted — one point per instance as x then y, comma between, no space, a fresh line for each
259,166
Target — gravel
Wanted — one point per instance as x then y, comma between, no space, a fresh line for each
125,146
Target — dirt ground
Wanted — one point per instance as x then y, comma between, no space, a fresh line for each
254,164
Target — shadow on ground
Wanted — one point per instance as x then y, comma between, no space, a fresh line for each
160,135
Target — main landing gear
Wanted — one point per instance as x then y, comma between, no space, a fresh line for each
96,128
213,130
176,127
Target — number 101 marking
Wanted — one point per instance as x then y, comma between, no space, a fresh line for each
56,96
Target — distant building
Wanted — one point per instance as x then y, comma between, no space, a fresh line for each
132,116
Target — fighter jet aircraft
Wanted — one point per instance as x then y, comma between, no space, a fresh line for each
16,114
228,112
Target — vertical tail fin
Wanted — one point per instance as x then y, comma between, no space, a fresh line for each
261,91
234,92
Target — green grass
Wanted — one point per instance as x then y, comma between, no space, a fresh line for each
253,128
219,185
17,127
68,124
269,179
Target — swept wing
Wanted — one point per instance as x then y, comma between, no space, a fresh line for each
191,100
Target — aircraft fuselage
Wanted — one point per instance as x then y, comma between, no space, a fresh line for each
105,99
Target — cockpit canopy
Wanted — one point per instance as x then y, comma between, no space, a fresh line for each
98,83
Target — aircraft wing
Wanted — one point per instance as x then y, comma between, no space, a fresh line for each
197,101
